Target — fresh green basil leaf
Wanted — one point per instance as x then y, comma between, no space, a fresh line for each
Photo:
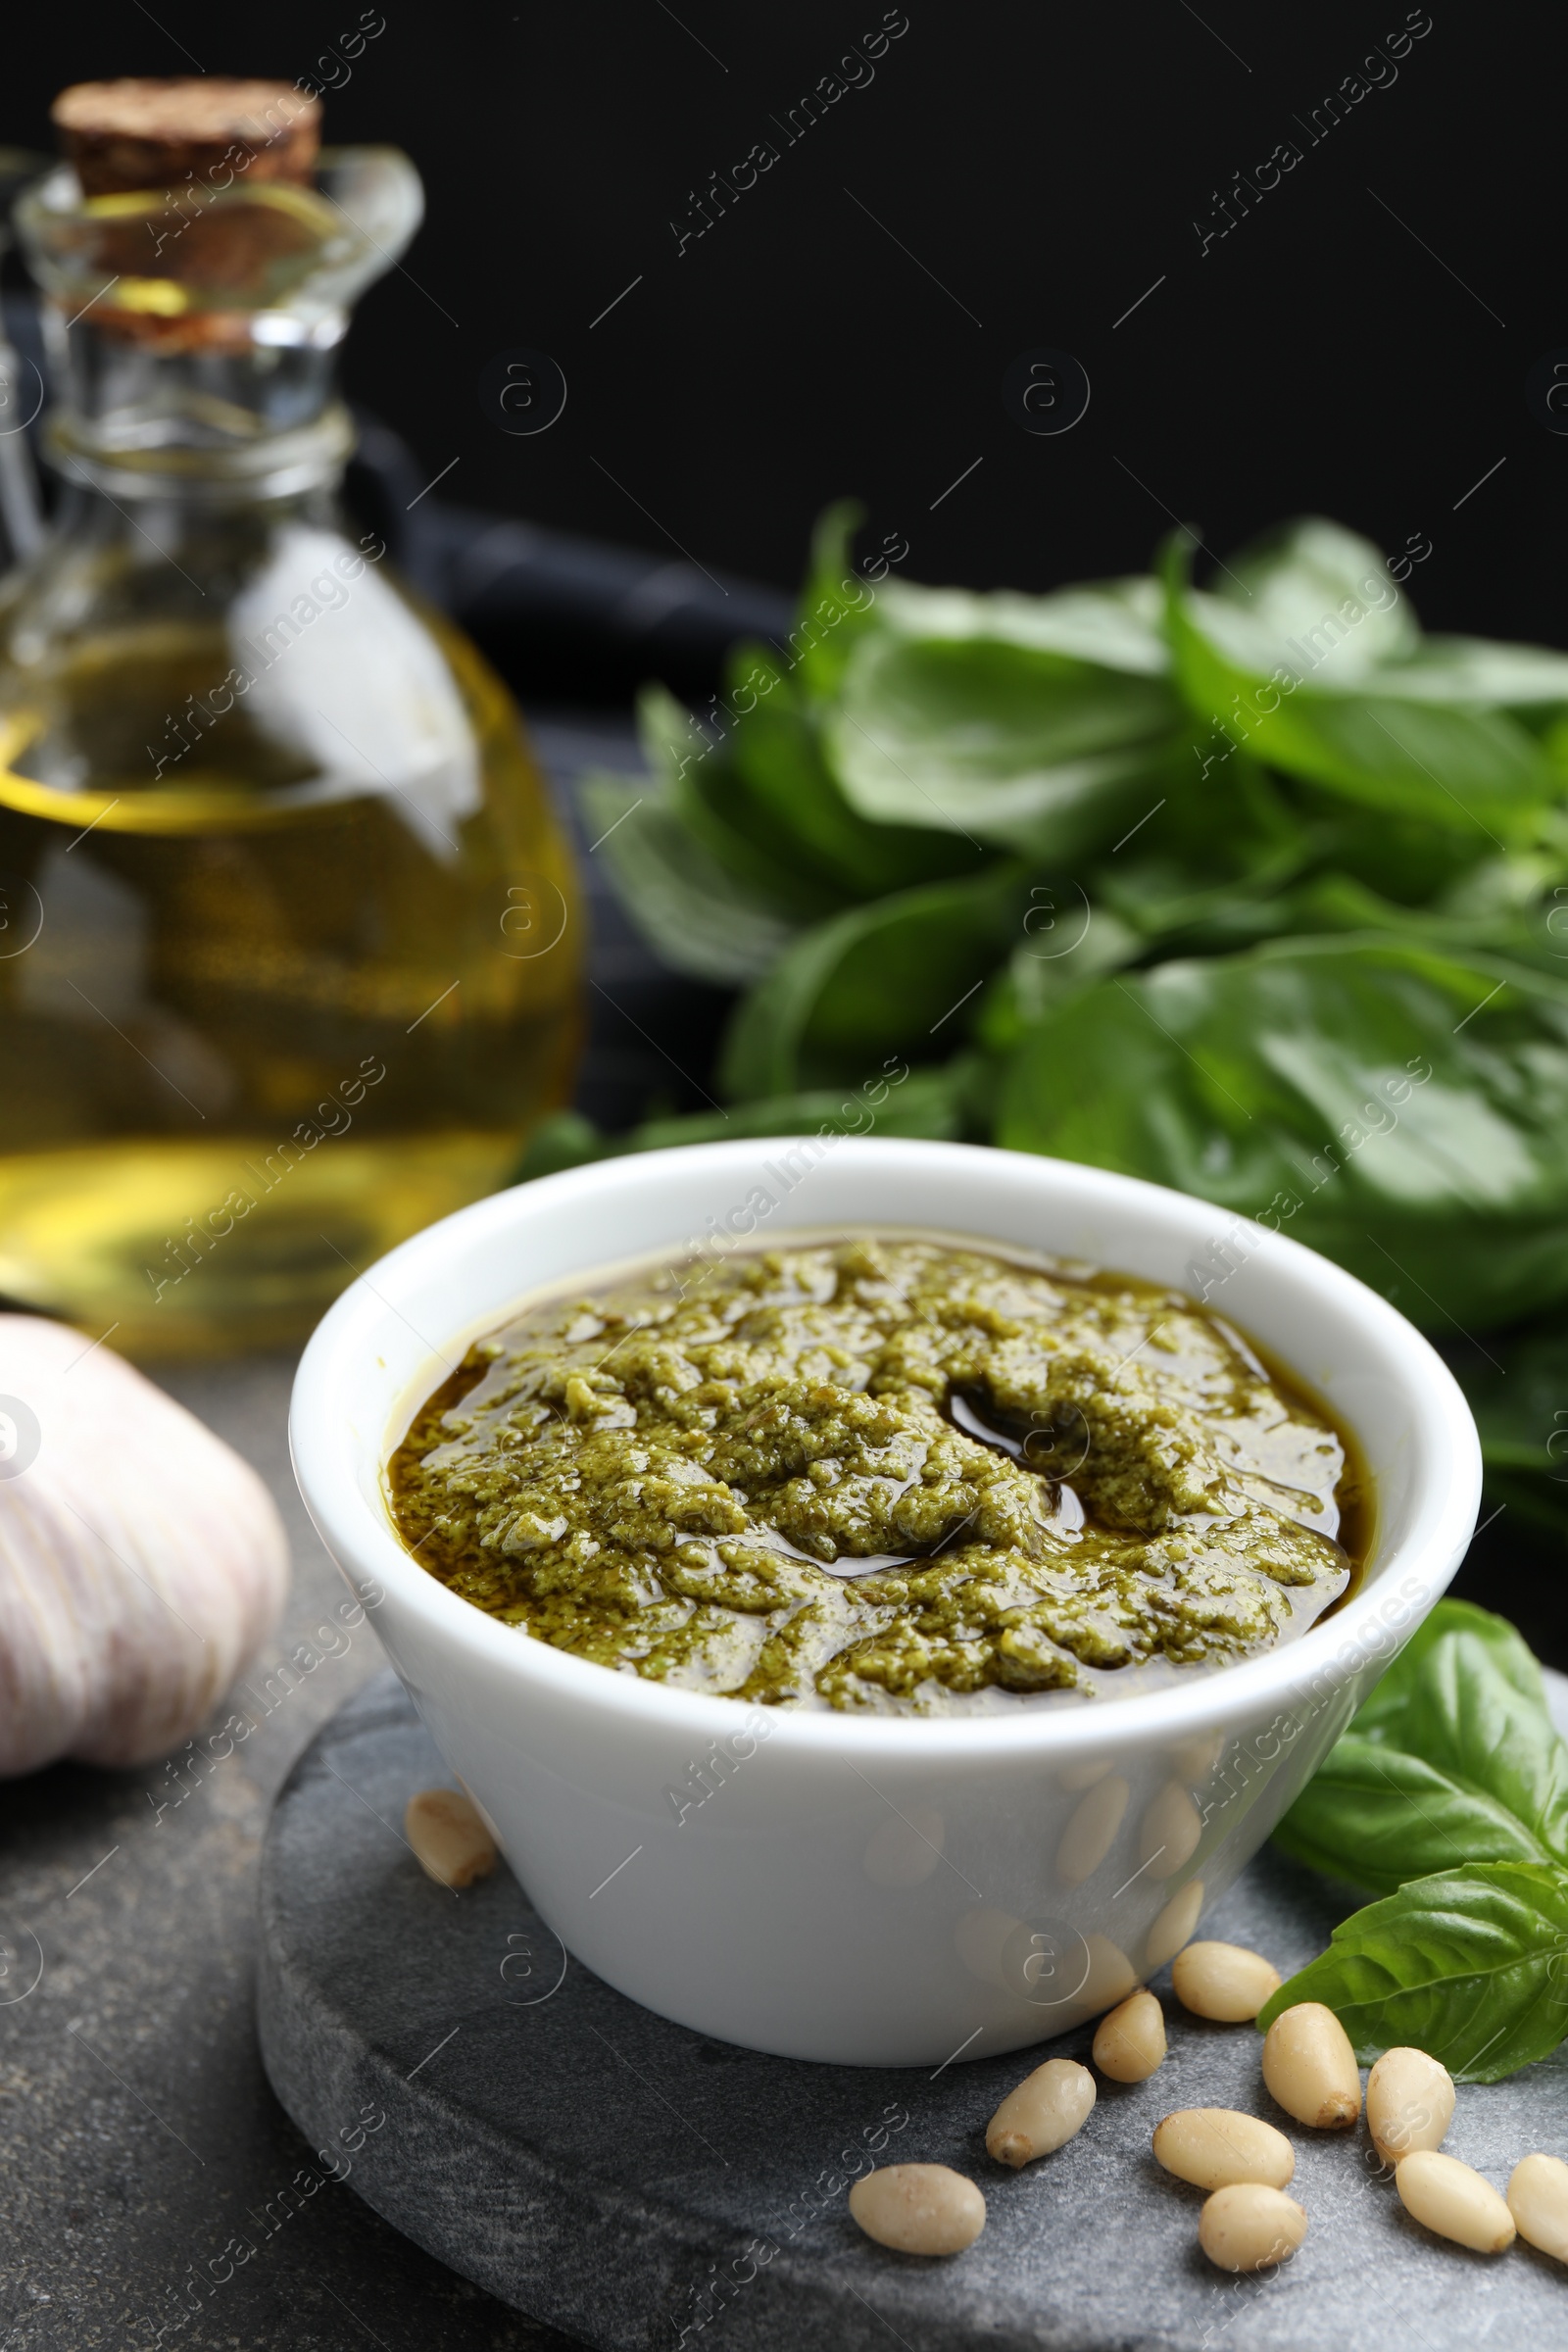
1327,592
717,812
1453,1758
1384,1714
1377,1816
1404,1112
895,977
1470,770
1317,593
1066,944
1481,1719
563,1140
1467,771
1497,908
1209,868
776,786
1473,671
694,781
930,1104
691,910
837,602
1402,857
1029,750
1175,907
1337,901
1473,771
1470,1965
890,1099
1113,624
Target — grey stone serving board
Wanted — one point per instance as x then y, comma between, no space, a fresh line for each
599,2168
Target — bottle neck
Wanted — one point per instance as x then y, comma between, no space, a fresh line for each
143,414
98,455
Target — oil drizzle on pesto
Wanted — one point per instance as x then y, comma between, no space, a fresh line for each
881,1473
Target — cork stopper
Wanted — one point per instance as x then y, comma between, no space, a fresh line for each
221,169
128,135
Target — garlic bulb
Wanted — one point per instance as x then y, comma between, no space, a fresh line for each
142,1563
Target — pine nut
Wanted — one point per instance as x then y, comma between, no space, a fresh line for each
980,1938
1409,2104
1195,1760
1047,2107
1217,2147
1090,1834
1174,1925
449,1841
1446,2196
1310,2068
920,2208
1223,1980
1249,2228
1111,1976
1538,2199
1131,2041
1168,1833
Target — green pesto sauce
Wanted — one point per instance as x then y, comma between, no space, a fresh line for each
879,1473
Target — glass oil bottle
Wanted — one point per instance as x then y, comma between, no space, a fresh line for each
289,940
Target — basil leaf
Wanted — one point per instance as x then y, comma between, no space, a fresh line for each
1465,926
895,977
776,787
1477,1713
1453,1758
1470,1965
1113,624
1174,908
691,910
1038,973
1404,860
1472,670
1030,750
717,814
931,1104
837,602
1403,1111
1385,1713
1466,770
1378,1816
1471,770
694,780
1317,586
723,851
1316,589
563,1140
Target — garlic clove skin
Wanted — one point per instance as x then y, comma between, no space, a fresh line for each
142,1563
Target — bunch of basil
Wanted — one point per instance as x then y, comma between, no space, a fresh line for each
1450,1796
1258,892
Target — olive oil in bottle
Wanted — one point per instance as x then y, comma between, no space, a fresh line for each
289,941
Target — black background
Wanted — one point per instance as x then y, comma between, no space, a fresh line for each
1046,165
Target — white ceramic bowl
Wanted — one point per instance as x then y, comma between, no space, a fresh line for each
884,1891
